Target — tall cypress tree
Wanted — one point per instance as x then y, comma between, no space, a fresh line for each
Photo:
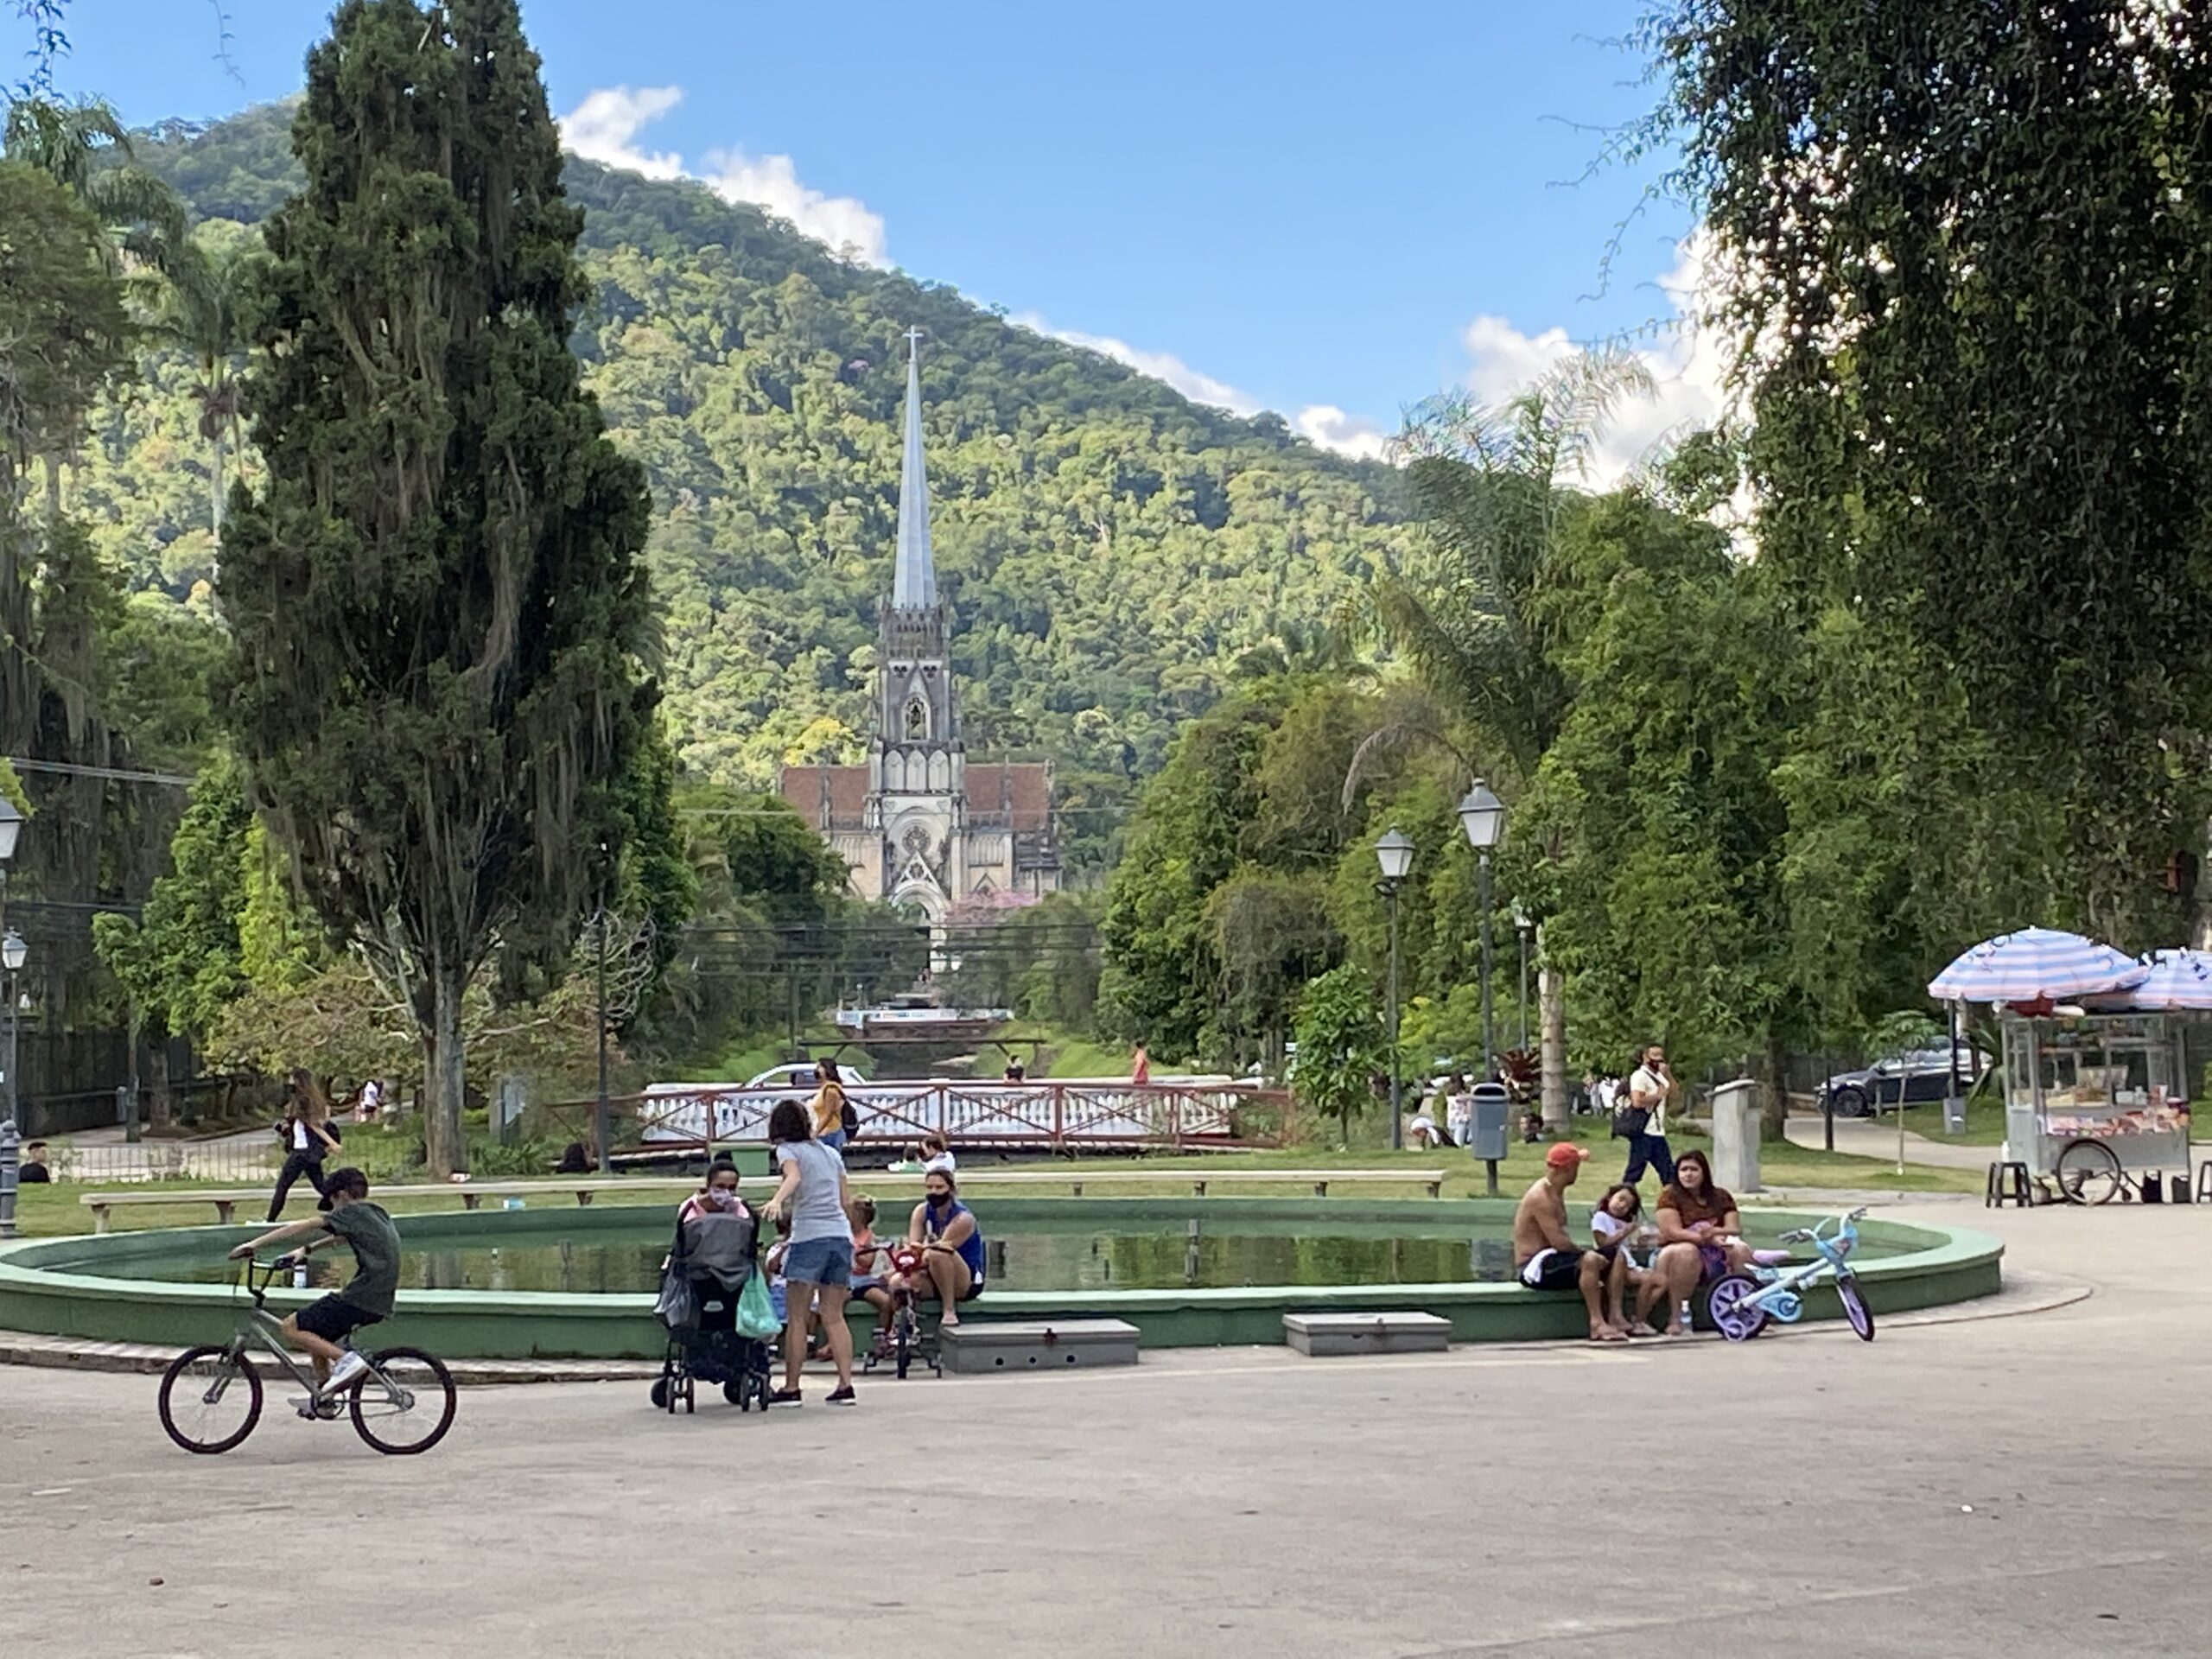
436,596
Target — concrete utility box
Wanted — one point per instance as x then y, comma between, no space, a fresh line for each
1486,1129
970,1348
1954,1115
1736,1135
1323,1335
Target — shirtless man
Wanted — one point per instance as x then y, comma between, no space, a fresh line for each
1547,1254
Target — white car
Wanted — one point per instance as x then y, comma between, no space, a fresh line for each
678,1111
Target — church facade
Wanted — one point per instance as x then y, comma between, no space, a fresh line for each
917,824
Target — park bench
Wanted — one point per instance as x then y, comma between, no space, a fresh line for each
1431,1181
471,1193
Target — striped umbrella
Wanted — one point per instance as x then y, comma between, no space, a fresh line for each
2033,963
2176,979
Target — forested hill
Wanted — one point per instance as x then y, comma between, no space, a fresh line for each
1114,553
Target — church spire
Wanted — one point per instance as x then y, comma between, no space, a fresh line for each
913,586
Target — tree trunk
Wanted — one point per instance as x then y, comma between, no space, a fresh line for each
163,1109
1774,1102
443,1083
215,503
1551,1019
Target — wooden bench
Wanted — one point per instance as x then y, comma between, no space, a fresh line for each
471,1193
1431,1181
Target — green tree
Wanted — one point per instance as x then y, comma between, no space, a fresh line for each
1342,1047
436,596
1965,261
180,961
84,149
202,312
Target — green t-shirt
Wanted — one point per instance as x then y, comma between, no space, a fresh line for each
375,1255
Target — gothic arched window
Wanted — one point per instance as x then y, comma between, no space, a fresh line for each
917,720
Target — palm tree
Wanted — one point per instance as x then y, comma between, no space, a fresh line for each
1495,484
202,311
85,148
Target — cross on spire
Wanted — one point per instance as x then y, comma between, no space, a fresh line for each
914,337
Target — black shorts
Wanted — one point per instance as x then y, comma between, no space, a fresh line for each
1557,1270
334,1318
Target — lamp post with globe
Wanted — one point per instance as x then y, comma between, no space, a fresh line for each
1482,815
1393,853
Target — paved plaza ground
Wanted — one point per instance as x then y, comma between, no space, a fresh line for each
2027,1485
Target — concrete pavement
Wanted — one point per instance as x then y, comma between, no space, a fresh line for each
2020,1486
1866,1137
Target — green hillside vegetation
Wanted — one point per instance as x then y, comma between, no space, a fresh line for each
1117,556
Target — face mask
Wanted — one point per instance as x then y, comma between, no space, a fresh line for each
940,1200
721,1199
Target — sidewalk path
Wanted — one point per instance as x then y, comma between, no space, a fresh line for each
1863,1137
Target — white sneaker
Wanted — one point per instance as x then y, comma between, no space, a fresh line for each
349,1366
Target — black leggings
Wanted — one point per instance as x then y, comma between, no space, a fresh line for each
297,1164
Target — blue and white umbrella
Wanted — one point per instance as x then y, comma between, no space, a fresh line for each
2034,963
2176,980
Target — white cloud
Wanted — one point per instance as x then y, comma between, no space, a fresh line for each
1322,424
604,128
1684,362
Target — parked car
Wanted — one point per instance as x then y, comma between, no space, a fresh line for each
1924,1072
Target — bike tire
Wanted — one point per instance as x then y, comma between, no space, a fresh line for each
448,1399
1855,1308
180,1366
1724,1307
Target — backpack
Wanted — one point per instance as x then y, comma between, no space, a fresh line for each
849,1120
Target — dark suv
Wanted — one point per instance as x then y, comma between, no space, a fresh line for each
1925,1072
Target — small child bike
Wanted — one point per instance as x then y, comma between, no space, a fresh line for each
1742,1303
902,1342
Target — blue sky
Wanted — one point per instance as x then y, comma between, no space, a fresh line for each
1326,209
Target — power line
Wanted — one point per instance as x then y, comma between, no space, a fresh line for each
119,774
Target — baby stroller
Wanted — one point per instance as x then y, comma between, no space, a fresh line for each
714,1253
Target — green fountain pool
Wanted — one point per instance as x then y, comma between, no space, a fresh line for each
557,1281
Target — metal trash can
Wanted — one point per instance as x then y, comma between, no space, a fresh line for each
1486,1129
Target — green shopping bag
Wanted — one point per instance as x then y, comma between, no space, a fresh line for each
756,1314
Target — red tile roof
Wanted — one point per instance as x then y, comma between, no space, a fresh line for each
801,787
1025,787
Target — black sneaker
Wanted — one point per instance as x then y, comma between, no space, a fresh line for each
842,1396
786,1397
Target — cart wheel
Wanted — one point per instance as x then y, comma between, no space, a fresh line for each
660,1394
2089,1172
1726,1306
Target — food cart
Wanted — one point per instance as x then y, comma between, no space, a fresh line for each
2095,1101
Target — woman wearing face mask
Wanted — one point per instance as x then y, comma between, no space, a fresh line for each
718,1238
944,1230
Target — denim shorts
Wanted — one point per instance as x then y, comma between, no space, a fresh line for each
818,1261
833,1139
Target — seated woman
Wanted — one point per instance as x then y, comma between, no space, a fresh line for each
718,1239
1426,1130
943,1229
1698,1225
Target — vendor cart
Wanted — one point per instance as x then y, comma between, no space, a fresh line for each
2095,1102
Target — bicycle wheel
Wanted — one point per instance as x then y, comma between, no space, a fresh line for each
405,1403
1726,1306
1855,1308
210,1399
2089,1172
902,1343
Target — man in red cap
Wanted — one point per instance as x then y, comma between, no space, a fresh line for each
1546,1252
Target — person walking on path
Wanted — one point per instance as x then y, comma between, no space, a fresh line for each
818,1255
827,1108
1651,1091
308,1136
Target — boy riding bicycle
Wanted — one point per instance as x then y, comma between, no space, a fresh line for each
318,1329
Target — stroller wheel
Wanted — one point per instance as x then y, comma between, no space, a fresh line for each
660,1394
734,1391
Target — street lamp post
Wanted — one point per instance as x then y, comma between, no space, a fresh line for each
1393,853
1522,924
1482,815
13,954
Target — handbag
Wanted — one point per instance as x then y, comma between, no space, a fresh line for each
756,1314
1628,1122
677,1304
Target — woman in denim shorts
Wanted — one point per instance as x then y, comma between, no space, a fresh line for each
818,1257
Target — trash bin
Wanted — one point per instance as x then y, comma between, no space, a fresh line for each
1736,1135
1486,1129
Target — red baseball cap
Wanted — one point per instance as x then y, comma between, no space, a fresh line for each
1564,1155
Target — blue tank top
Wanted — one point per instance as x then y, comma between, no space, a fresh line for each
970,1248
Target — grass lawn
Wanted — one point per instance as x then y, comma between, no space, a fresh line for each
53,1211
